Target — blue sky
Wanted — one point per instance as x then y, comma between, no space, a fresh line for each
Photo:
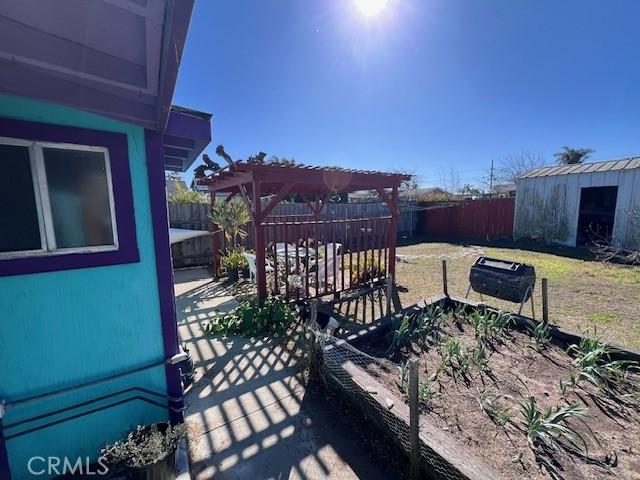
424,86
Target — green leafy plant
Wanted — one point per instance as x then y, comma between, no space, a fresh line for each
181,193
552,426
231,217
250,319
490,325
593,364
541,334
234,259
480,358
426,387
458,314
401,335
491,405
426,326
500,322
454,355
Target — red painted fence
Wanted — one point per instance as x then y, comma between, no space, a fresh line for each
476,219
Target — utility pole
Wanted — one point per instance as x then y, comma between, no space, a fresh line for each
491,180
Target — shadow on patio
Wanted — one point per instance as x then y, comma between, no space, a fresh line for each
250,405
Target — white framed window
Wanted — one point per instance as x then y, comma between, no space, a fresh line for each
55,198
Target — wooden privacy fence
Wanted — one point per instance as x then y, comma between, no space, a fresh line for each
194,216
477,219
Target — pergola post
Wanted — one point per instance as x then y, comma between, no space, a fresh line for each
215,241
393,233
261,271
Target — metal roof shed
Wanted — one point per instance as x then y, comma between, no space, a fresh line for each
564,204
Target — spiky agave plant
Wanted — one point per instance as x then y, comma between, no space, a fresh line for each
552,426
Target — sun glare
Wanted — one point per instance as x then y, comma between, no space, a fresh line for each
370,8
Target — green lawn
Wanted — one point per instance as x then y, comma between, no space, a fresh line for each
582,293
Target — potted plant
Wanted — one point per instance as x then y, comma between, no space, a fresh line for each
231,217
148,452
233,261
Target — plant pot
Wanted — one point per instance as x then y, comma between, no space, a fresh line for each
232,273
245,273
165,469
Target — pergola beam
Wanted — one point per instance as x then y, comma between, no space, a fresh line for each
284,191
243,192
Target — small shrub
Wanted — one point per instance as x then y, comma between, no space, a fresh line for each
234,259
250,319
145,446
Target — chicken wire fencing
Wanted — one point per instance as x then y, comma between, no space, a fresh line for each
352,373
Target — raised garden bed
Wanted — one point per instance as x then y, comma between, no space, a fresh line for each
473,409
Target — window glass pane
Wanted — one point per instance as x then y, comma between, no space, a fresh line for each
79,197
19,228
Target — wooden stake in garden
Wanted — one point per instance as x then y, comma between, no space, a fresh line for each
545,302
445,286
414,420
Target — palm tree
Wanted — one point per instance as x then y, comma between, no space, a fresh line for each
571,156
231,217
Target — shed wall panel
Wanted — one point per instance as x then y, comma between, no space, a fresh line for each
547,207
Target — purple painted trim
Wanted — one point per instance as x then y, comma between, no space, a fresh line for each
194,126
164,267
5,471
117,145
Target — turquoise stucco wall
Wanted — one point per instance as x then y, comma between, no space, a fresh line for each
61,328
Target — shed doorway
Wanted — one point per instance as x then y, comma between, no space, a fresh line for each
597,213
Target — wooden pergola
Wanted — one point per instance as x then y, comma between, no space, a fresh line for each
253,180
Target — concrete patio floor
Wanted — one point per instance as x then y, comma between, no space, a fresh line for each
250,406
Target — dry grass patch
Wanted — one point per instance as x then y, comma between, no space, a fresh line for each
581,292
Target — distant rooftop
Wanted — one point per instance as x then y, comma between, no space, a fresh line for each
623,164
